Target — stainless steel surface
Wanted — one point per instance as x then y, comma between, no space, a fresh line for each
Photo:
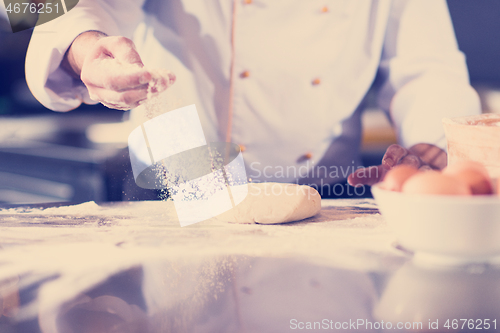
129,267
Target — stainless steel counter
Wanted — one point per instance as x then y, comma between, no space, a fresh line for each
129,267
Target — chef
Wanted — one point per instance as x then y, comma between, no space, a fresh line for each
284,79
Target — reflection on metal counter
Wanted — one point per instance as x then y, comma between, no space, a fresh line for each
460,299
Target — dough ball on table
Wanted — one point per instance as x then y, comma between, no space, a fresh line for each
272,203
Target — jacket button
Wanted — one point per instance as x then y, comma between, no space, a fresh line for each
247,2
324,9
316,81
305,157
245,74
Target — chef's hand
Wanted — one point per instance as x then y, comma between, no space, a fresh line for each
422,156
111,69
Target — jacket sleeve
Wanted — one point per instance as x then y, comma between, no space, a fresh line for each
48,82
424,74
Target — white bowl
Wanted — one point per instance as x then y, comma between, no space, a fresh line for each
466,227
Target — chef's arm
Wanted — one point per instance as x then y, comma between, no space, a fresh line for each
49,82
424,79
424,74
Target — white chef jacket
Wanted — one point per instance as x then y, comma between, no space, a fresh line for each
284,78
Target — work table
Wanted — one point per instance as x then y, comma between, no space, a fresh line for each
341,266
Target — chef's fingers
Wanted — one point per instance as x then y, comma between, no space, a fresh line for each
162,79
393,155
119,48
411,160
367,176
119,100
431,155
112,76
127,81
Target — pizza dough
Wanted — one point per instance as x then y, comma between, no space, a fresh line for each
271,203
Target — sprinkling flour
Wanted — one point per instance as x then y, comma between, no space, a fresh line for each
158,99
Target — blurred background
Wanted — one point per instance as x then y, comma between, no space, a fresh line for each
78,156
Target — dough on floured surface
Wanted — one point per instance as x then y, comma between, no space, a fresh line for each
271,203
